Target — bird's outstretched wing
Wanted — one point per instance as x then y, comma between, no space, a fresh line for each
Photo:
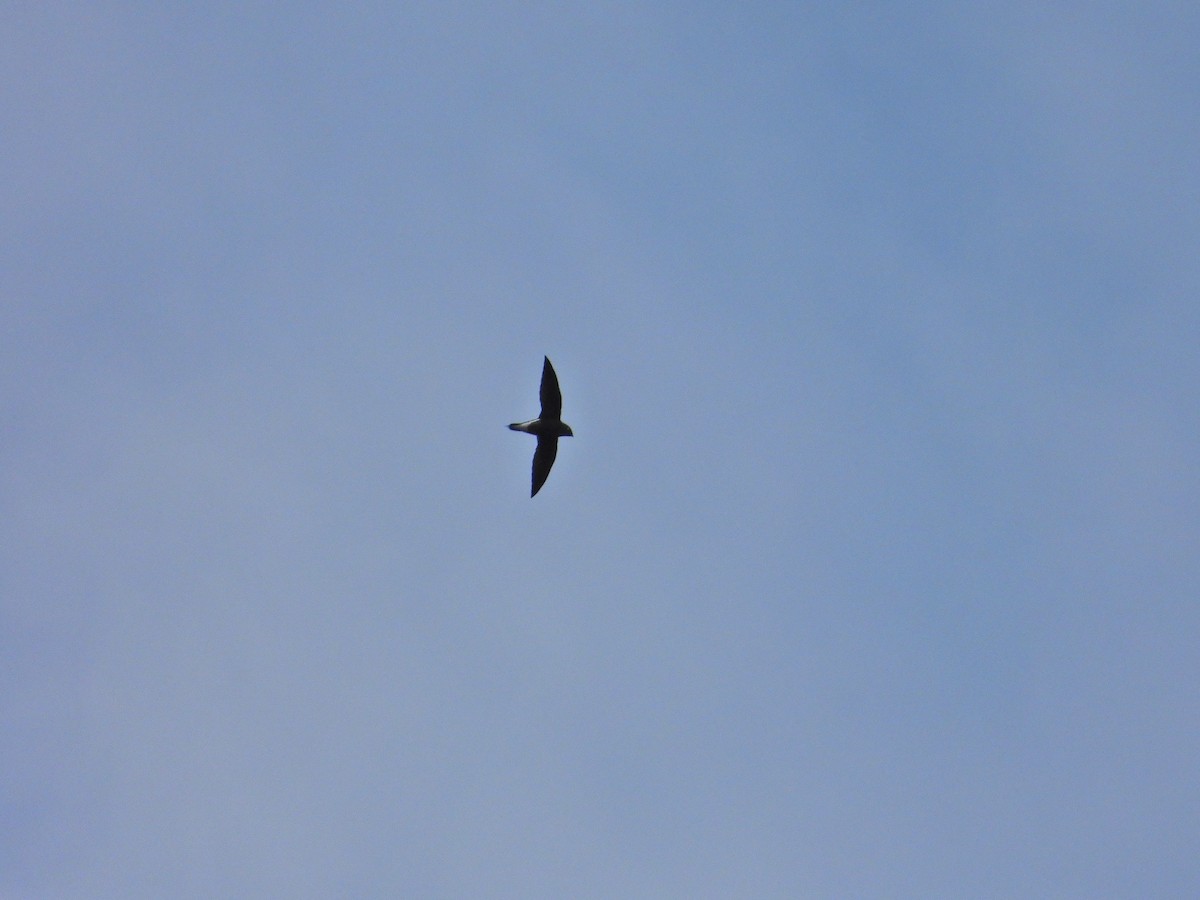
543,459
551,397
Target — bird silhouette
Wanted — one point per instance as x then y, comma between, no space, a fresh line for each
548,427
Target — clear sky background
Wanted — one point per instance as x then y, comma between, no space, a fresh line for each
873,569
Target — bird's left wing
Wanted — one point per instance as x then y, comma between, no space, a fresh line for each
543,459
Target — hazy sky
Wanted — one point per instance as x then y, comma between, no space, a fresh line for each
873,569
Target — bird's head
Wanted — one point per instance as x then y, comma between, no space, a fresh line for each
566,431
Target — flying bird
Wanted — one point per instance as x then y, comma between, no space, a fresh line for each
548,427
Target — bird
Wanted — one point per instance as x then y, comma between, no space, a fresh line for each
548,427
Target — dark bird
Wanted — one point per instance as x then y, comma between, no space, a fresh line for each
548,427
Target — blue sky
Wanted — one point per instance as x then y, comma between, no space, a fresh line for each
871,570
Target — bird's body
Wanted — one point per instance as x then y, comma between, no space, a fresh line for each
548,427
543,428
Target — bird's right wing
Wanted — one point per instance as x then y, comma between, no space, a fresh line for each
551,395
